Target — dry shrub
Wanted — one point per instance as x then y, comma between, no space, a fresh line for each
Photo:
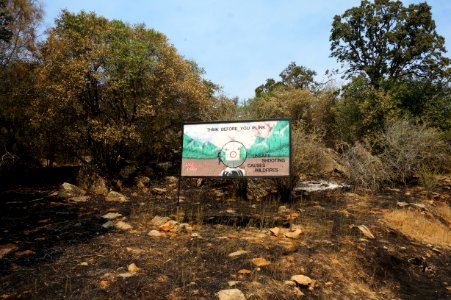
365,169
409,148
309,153
416,225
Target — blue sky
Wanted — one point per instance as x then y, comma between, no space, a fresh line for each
240,43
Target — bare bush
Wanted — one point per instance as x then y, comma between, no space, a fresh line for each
310,155
365,169
409,148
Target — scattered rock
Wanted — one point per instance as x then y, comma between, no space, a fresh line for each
289,283
232,294
302,280
238,253
294,234
111,216
365,231
116,197
84,263
68,190
260,262
132,268
184,228
155,233
169,226
158,221
7,248
402,204
233,283
79,199
275,231
196,235
142,182
104,284
420,206
159,191
126,275
244,271
108,225
172,179
123,226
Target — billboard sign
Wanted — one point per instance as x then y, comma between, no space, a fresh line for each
237,149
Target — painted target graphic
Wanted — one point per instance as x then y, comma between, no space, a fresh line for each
233,154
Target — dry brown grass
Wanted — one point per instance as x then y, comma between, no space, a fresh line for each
417,226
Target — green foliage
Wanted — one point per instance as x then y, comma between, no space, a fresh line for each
293,76
362,110
385,40
114,91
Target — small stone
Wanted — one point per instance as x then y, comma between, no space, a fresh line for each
329,284
196,235
155,233
302,280
111,216
365,231
402,204
126,275
420,206
275,231
84,263
158,221
116,197
232,294
294,234
79,199
108,225
132,268
184,228
238,253
104,284
123,226
230,211
68,190
159,191
169,226
289,283
233,283
244,271
260,262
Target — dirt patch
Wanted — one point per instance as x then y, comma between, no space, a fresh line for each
60,249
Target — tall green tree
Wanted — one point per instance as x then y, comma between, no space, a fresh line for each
113,91
293,76
385,40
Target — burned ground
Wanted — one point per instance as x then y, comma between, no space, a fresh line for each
53,248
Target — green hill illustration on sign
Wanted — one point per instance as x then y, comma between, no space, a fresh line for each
251,149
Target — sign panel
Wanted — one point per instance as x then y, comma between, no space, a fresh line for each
237,149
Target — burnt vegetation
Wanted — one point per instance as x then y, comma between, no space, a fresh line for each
100,103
